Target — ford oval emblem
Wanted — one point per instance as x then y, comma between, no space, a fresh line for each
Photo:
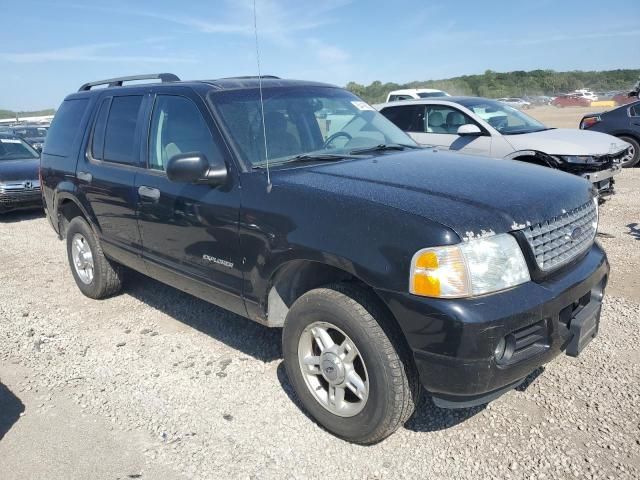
576,234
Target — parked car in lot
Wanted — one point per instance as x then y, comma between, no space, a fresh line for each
479,126
516,103
622,122
35,135
413,93
570,100
585,93
19,180
389,267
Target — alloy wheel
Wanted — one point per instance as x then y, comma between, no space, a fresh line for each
333,369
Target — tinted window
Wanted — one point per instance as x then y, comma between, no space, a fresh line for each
431,94
119,142
97,144
178,127
65,127
395,98
634,111
409,118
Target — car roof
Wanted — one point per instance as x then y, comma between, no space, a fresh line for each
460,100
231,83
414,90
9,136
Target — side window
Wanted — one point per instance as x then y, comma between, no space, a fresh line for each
177,127
65,127
444,119
634,111
409,118
97,142
119,139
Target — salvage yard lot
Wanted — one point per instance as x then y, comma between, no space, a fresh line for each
568,117
159,384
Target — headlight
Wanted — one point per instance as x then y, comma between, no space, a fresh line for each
476,267
578,159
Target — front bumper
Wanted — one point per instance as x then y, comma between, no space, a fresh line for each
603,180
12,202
453,341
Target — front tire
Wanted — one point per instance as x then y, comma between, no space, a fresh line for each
634,157
96,276
348,363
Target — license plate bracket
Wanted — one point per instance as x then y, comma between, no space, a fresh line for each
584,327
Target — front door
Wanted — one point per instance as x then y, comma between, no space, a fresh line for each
439,128
189,231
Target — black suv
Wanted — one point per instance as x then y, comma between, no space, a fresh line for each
297,205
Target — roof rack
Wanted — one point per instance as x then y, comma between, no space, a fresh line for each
117,82
250,77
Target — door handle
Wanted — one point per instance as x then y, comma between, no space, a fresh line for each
149,193
84,176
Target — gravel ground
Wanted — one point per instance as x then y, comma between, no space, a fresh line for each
202,393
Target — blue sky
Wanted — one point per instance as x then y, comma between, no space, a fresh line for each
49,48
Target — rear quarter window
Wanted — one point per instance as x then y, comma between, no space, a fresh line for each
65,127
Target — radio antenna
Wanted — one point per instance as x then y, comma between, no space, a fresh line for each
264,126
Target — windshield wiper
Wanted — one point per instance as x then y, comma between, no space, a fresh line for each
383,147
521,132
311,157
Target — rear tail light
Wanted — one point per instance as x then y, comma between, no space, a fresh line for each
589,122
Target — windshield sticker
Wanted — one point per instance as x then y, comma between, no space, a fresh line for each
362,106
9,140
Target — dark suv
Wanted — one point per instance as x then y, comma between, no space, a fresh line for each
297,205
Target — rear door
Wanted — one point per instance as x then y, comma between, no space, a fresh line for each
106,174
189,231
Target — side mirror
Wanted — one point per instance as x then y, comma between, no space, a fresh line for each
193,167
469,130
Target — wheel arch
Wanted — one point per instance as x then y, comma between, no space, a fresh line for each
296,277
534,157
67,207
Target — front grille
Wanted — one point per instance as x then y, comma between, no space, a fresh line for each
558,241
19,193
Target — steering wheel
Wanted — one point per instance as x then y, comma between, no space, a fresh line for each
335,136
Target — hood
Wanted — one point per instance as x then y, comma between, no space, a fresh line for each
567,141
471,195
15,170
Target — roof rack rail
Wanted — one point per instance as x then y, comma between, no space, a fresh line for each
117,82
250,77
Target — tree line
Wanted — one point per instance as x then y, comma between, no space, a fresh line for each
6,114
509,84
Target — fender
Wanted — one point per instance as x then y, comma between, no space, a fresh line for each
547,159
68,191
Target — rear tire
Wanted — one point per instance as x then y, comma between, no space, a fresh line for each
634,158
96,276
382,365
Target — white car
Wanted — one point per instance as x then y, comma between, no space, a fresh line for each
588,94
515,102
415,93
480,126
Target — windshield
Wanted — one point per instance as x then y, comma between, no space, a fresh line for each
14,148
302,121
31,132
505,119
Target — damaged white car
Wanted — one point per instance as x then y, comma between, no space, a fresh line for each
480,126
